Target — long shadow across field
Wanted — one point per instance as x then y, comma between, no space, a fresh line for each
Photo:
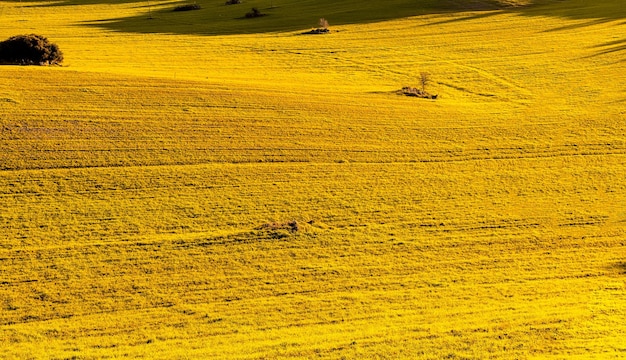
591,12
216,18
588,13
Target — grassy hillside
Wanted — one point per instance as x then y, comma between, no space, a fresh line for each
202,186
215,17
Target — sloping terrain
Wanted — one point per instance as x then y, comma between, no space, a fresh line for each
175,192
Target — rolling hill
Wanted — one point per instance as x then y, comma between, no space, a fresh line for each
198,185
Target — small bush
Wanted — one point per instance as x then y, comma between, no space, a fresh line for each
415,92
187,7
29,50
233,2
424,81
322,29
323,24
254,13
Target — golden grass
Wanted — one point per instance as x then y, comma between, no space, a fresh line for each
135,183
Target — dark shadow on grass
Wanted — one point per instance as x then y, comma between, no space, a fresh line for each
578,9
580,25
216,18
482,15
611,47
585,13
52,3
595,12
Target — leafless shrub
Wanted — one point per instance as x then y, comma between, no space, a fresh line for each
424,80
323,23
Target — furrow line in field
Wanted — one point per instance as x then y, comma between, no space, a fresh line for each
252,277
304,156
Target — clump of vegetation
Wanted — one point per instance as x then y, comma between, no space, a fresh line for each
321,29
29,50
187,7
291,226
254,13
233,2
415,92
424,81
280,230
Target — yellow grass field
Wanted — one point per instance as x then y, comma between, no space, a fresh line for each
231,189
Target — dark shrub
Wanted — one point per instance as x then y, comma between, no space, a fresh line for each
187,7
29,50
317,31
415,92
254,13
233,2
322,29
